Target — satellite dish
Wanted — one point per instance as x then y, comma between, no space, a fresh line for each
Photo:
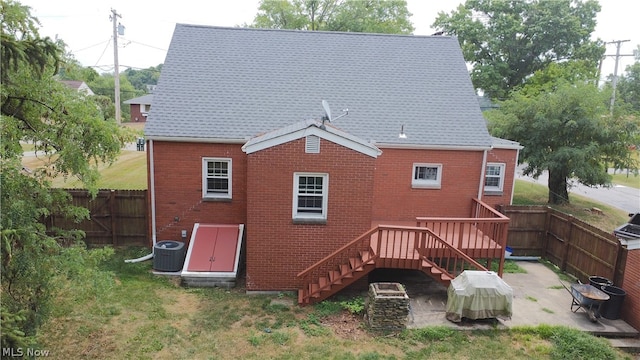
327,110
327,113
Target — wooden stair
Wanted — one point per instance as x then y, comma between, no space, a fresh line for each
337,279
435,272
383,246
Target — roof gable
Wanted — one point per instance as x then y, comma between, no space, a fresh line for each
307,128
235,83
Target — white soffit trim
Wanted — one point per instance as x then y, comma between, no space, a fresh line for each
369,150
505,146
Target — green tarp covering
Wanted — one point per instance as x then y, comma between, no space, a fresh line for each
479,295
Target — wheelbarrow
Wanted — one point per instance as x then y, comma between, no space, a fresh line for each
588,298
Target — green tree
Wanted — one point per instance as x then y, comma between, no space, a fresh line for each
566,129
104,87
71,69
36,108
372,16
139,79
508,41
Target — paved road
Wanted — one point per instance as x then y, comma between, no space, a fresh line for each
622,197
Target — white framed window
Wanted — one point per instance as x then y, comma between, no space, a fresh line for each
494,177
216,178
310,196
427,176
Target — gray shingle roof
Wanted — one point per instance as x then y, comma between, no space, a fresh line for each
144,99
236,83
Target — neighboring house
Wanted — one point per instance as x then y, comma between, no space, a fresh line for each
236,136
80,86
140,107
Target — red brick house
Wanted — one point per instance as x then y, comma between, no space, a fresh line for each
139,107
405,178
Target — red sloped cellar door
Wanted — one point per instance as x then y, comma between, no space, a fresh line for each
214,248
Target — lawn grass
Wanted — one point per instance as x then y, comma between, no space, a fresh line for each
626,179
129,172
131,313
27,146
528,193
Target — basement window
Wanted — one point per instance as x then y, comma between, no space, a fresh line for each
427,176
216,178
310,197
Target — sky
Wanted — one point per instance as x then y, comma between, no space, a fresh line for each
86,28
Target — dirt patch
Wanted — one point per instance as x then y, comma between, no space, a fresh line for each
347,326
181,305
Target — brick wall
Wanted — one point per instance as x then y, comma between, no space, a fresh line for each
361,189
178,187
395,198
136,113
508,157
631,285
277,249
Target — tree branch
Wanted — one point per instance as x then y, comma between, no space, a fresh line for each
28,99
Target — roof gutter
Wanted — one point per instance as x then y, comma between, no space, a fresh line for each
432,147
197,139
508,147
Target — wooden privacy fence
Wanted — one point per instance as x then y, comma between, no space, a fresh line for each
574,246
117,217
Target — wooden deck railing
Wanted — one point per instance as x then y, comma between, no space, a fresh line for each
340,257
441,246
386,246
483,235
446,257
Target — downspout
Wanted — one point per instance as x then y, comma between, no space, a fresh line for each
515,170
482,174
152,191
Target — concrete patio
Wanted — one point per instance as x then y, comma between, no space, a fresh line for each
538,298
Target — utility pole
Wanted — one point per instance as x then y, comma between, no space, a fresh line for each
614,82
116,29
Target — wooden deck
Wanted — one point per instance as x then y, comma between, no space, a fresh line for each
440,247
398,239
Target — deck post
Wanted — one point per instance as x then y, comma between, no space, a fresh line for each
461,235
503,243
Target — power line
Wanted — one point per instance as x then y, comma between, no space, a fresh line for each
91,46
103,51
142,69
149,46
